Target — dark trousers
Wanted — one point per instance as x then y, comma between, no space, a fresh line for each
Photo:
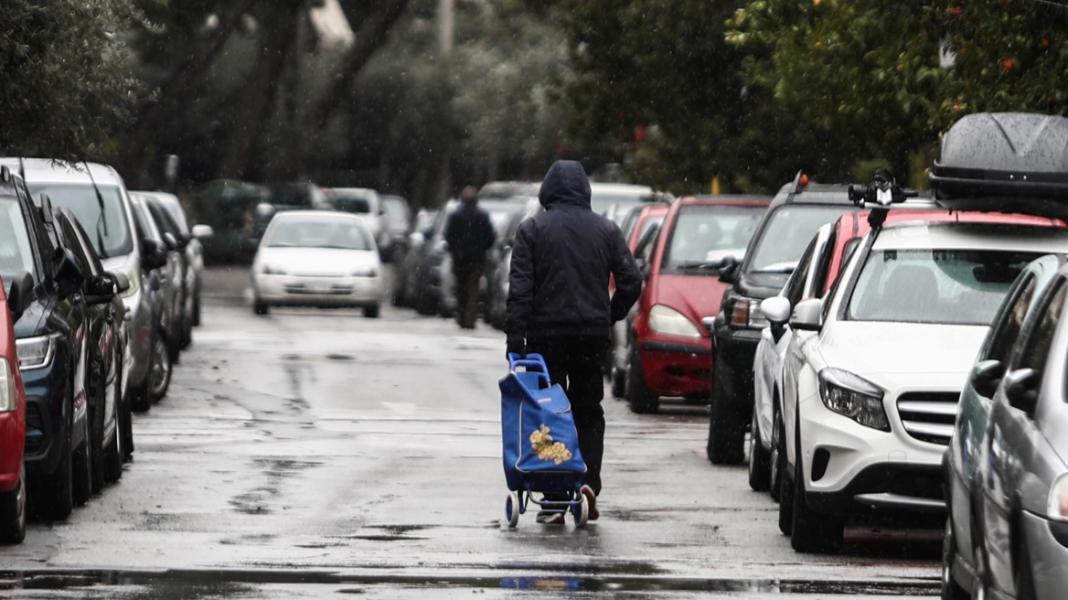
575,363
467,274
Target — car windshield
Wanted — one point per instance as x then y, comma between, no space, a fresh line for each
177,214
16,256
962,287
103,217
706,233
786,234
318,233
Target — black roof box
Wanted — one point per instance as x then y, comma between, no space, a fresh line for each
1014,162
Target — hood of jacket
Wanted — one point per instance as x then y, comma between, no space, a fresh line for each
565,183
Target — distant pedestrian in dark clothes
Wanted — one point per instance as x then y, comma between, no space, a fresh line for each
469,234
559,307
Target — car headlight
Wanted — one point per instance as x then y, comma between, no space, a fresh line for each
855,397
365,272
1057,506
745,313
36,352
8,392
273,270
663,319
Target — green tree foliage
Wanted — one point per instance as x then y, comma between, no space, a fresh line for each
66,86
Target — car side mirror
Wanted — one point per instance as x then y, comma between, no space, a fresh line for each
47,213
153,255
69,275
171,241
100,289
20,296
201,232
122,282
776,310
728,273
985,377
808,315
1021,390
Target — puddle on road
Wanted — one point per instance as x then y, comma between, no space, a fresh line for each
194,583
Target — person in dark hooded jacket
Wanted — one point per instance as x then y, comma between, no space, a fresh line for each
559,305
469,234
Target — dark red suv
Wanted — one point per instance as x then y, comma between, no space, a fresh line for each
12,415
672,351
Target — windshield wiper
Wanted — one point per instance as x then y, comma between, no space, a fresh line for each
101,221
702,266
783,267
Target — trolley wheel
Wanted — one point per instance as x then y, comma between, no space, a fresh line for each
581,511
511,509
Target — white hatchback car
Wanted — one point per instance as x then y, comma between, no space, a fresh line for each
317,258
869,400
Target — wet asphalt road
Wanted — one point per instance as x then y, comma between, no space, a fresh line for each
320,454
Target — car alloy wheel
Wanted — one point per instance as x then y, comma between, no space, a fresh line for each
160,369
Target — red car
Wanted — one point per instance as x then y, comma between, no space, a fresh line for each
671,353
12,417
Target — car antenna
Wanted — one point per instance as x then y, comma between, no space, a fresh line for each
101,222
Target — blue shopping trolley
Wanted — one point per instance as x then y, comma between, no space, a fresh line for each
541,450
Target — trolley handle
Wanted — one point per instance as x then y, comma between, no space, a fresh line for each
531,363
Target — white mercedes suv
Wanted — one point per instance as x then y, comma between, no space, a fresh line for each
869,400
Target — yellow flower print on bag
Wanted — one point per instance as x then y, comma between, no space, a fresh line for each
546,448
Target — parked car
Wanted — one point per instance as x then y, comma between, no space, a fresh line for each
640,232
671,349
613,200
51,339
795,213
364,202
12,409
406,276
321,258
177,317
428,292
499,266
191,238
159,276
1004,465
108,411
397,222
817,270
97,196
892,346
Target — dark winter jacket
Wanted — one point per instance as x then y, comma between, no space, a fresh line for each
561,262
469,233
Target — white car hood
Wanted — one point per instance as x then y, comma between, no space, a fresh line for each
876,349
317,261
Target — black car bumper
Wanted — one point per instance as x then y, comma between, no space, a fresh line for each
736,348
885,492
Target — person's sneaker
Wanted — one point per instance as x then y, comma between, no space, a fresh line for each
591,499
550,517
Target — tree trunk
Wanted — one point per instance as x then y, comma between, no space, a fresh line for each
279,34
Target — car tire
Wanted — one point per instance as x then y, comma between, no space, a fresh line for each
187,332
811,532
196,306
82,468
950,589
619,383
260,307
159,370
126,429
13,512
777,460
96,451
371,312
786,503
726,424
759,459
640,398
1022,575
57,487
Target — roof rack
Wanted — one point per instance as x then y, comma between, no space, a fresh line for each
879,195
